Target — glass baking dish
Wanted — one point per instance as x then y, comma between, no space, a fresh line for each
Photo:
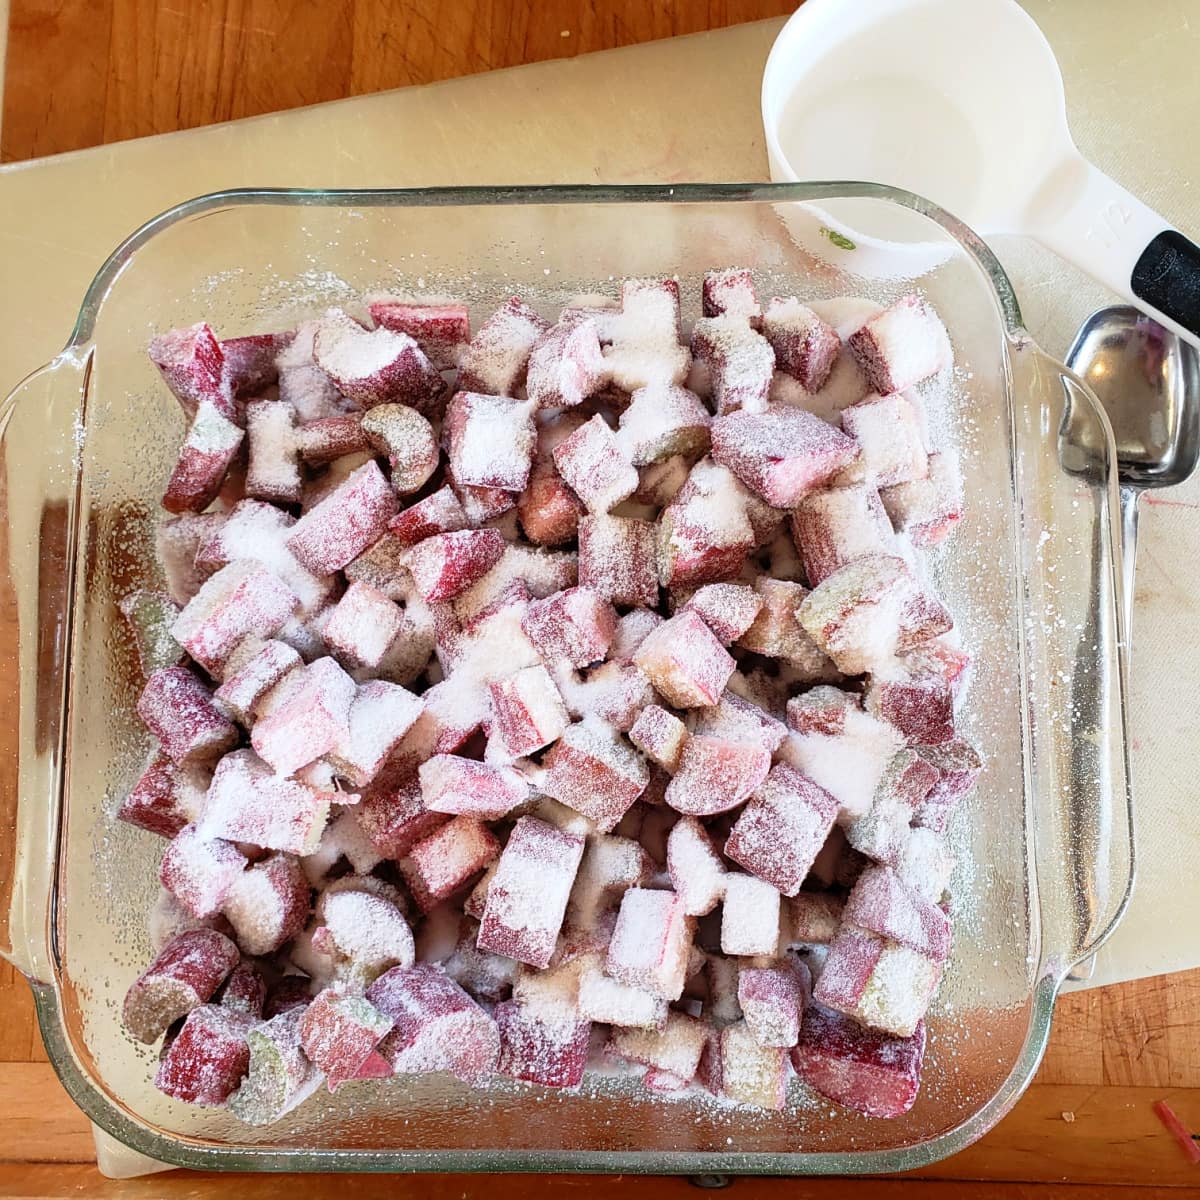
1044,846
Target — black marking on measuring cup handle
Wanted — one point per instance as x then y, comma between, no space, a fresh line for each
1167,276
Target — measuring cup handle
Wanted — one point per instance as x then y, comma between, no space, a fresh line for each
1092,221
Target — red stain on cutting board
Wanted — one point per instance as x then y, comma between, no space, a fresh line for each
1165,503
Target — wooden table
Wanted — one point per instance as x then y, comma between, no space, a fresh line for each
127,68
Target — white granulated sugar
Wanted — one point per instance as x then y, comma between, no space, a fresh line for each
594,464
280,694
543,572
369,930
258,532
496,442
212,433
604,999
641,357
351,352
696,869
845,386
496,648
299,351
676,1048
847,314
749,916
274,465
898,991
727,607
785,389
255,909
849,765
553,994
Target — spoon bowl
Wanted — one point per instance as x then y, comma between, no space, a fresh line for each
1148,381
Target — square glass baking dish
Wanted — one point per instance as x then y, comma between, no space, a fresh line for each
1044,845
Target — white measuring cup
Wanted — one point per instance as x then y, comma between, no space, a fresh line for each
962,101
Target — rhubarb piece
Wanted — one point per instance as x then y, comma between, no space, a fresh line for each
594,771
274,470
205,1062
184,974
749,916
528,896
178,709
696,870
378,366
781,453
730,293
685,662
438,1027
339,1032
873,1073
150,616
805,346
447,860
353,516
192,364
406,437
441,330
651,942
901,346
279,1077
778,834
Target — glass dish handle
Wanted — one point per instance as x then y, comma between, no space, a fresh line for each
38,486
1075,659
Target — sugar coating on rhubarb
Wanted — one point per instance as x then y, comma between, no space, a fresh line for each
565,696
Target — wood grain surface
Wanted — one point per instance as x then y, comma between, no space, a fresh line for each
128,68
83,72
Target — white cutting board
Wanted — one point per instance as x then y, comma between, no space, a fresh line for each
687,109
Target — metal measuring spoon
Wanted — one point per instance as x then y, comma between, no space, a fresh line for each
1148,381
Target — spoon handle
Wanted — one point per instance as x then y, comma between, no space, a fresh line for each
1083,970
1091,220
1129,532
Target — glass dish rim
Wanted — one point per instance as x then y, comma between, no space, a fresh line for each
548,194
182,1151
